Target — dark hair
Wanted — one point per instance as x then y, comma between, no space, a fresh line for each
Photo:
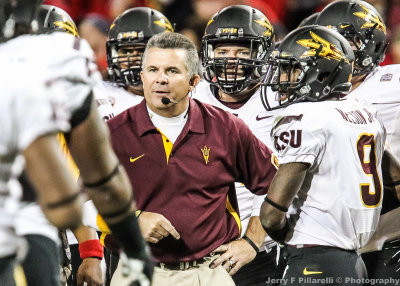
169,40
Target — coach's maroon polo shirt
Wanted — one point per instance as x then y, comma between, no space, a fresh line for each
191,189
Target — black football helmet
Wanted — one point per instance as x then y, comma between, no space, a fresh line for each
238,25
53,19
361,24
312,63
310,20
133,28
18,17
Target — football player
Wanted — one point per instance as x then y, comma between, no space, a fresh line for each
128,36
30,223
363,27
58,77
325,200
236,43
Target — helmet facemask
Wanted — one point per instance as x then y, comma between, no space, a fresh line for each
233,74
125,62
284,76
363,47
128,36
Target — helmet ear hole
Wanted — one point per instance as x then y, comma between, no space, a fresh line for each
323,76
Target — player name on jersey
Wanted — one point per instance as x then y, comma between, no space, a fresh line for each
356,116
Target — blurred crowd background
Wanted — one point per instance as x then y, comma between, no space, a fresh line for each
94,17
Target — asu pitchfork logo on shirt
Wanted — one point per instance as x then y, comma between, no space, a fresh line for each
206,153
325,48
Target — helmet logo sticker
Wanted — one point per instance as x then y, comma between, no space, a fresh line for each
371,19
67,26
206,153
131,34
227,31
325,48
267,25
165,24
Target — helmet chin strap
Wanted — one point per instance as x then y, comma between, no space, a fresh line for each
327,89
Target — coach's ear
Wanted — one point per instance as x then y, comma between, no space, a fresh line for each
193,82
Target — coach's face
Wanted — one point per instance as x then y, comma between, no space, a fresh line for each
165,74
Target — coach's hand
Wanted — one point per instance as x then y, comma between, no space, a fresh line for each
234,255
89,272
155,227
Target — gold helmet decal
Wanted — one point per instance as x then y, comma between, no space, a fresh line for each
208,24
327,49
267,25
371,19
163,22
67,26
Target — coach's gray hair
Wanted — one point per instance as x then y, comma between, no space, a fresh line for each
170,40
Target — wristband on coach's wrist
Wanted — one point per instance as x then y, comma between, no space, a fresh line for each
138,213
252,244
91,248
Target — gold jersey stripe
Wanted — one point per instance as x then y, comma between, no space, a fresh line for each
102,238
19,275
234,214
70,162
167,145
101,224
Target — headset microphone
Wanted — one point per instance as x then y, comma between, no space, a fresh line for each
166,101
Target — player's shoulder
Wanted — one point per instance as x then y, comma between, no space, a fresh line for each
304,115
126,117
202,91
224,119
385,73
384,76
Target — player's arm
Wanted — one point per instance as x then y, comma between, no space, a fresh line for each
58,193
107,184
391,173
91,253
281,194
106,181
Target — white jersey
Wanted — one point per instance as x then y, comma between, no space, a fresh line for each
340,200
120,99
381,88
260,123
46,78
104,106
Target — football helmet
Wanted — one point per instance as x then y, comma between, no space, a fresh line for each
237,25
362,26
53,19
310,20
18,17
312,63
128,36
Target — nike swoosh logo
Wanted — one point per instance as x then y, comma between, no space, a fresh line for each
306,272
134,159
258,118
344,26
